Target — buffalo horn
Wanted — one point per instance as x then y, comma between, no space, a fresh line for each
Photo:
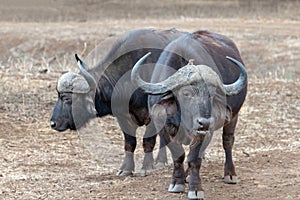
88,77
174,81
236,87
183,77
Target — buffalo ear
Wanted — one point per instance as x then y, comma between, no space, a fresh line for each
166,106
158,116
171,108
159,112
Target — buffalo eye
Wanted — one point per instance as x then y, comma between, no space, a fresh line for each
66,99
189,91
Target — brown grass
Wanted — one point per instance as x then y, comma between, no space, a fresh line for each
38,163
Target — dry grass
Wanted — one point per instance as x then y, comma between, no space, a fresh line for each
95,10
38,163
41,164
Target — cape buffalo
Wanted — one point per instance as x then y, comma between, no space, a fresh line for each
189,102
105,90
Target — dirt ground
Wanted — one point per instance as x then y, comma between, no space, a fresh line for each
37,42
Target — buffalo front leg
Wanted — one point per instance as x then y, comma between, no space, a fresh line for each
194,164
178,177
127,166
228,140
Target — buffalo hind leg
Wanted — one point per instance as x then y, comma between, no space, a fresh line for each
162,159
127,166
228,140
149,141
148,162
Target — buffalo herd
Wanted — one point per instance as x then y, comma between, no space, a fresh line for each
182,86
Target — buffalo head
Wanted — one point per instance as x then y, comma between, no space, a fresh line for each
75,103
197,92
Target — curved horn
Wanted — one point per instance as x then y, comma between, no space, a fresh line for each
182,77
238,85
88,77
153,88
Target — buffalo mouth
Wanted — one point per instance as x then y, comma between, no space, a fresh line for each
198,137
205,126
58,128
200,132
62,129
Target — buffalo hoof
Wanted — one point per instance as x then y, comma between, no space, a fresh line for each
177,188
123,173
143,173
196,195
159,165
230,179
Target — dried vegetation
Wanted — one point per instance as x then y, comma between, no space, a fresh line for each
38,163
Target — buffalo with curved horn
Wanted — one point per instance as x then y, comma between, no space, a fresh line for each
189,102
90,93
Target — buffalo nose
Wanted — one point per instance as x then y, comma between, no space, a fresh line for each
203,124
52,124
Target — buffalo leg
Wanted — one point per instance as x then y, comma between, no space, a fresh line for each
128,163
129,131
194,164
161,159
228,140
178,177
149,141
148,162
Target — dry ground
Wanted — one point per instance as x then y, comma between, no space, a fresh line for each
37,46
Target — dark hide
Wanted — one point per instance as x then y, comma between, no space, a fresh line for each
170,111
68,114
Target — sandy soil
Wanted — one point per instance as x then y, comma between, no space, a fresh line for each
37,47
